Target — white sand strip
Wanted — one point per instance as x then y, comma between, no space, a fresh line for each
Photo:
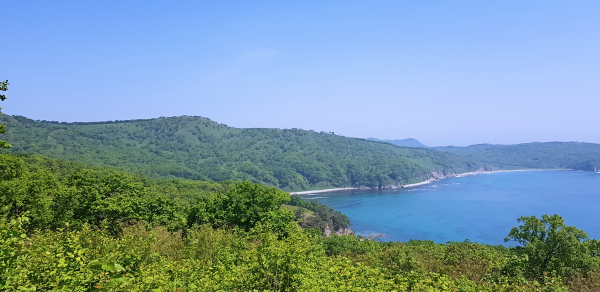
321,191
423,182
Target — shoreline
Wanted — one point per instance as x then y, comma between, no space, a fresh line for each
321,191
426,181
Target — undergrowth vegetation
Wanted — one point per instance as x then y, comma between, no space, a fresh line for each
263,259
65,227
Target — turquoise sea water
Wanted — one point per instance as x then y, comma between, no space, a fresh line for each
481,208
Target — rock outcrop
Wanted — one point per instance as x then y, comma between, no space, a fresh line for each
340,232
431,176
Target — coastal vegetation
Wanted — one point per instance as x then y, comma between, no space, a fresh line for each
186,204
99,223
66,226
200,149
290,159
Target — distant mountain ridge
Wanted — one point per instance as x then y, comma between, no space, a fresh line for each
201,149
409,142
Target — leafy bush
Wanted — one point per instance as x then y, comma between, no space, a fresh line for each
111,231
245,206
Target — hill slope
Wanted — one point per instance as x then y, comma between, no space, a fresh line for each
571,155
198,148
409,142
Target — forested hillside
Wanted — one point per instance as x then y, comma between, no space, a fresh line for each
552,155
198,148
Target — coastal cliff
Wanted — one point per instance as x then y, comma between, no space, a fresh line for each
447,173
426,177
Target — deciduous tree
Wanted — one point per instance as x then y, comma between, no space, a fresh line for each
549,245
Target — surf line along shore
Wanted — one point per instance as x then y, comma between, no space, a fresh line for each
421,183
346,189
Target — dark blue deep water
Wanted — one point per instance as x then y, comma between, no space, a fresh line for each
481,208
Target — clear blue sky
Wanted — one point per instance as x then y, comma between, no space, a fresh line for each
443,72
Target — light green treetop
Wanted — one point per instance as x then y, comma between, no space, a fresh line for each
549,245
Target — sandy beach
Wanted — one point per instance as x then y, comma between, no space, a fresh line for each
423,182
321,191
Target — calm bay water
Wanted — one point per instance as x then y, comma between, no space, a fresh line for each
481,208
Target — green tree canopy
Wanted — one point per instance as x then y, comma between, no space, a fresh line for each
245,206
548,245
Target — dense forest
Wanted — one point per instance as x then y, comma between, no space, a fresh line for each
198,148
551,155
35,185
65,226
126,208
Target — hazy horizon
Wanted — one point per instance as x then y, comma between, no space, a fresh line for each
444,73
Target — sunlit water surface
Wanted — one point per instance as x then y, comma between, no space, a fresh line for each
481,208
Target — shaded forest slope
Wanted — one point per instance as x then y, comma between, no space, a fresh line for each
198,148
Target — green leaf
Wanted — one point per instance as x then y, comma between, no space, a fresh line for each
95,265
118,267
109,267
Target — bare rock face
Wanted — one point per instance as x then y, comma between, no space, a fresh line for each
342,231
376,235
327,231
431,176
435,175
